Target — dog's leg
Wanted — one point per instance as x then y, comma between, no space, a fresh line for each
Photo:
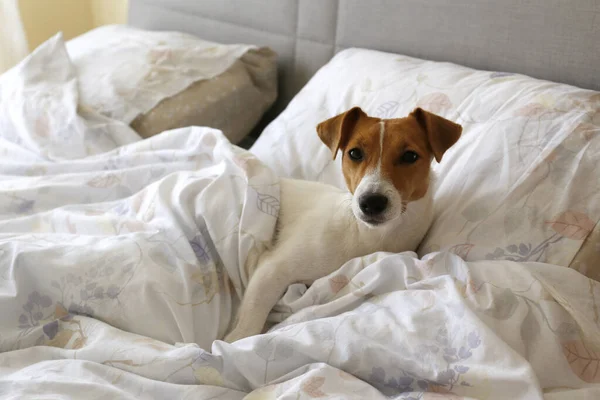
266,286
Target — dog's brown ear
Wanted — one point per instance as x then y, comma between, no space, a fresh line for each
335,132
441,133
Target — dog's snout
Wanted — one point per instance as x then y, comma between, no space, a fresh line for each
373,204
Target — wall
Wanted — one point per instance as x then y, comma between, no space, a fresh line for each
44,18
106,12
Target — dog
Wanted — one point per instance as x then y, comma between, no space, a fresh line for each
388,206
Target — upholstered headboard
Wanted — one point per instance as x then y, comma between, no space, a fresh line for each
556,40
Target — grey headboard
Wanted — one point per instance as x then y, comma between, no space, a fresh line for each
557,40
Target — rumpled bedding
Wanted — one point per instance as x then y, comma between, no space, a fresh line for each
122,262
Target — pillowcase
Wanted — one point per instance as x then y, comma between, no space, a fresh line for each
163,80
520,184
233,101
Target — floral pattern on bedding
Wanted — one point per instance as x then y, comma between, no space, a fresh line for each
119,272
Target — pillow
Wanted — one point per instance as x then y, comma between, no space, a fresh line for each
520,184
166,80
233,101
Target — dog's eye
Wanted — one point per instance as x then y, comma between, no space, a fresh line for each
409,157
356,154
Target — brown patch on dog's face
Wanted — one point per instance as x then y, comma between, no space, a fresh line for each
405,141
383,156
365,138
420,133
400,136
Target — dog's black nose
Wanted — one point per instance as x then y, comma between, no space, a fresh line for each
373,204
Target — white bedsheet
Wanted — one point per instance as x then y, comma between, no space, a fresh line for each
120,267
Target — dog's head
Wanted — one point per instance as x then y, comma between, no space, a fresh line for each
386,162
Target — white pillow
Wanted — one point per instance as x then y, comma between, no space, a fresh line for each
520,184
125,72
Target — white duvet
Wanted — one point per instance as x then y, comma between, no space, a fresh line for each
121,262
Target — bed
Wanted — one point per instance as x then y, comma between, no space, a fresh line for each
118,278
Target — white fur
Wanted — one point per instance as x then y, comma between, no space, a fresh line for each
381,138
317,233
373,183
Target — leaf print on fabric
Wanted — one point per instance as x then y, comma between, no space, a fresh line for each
208,376
524,251
567,331
531,110
450,371
269,349
392,386
60,311
61,335
81,309
512,252
377,375
36,310
573,225
112,292
283,351
586,131
61,339
462,250
478,210
387,109
25,206
584,361
473,340
338,282
444,378
435,102
51,329
503,305
516,217
312,387
200,248
208,279
530,327
461,369
163,256
268,204
104,181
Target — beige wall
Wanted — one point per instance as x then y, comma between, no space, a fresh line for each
44,18
106,12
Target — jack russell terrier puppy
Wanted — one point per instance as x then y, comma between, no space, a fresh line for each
386,165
